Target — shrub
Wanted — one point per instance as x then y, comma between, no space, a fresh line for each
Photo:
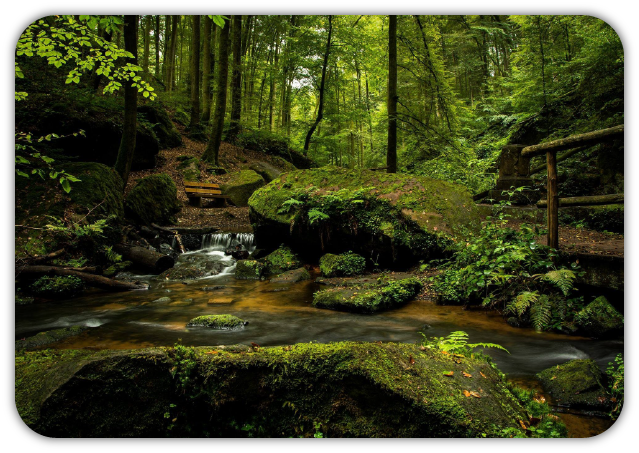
57,286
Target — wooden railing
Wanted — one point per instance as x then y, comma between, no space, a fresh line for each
581,141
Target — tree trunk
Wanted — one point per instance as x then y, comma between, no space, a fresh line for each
127,144
236,79
206,70
147,44
156,36
320,110
175,20
391,155
97,281
195,75
211,154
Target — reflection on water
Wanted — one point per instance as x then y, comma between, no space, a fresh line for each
134,320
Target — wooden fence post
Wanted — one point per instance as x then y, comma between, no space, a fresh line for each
553,201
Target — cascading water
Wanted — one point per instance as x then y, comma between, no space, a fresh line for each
225,241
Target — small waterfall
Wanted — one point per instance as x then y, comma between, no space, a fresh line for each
223,241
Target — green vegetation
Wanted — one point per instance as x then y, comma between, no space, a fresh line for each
615,372
57,287
343,265
599,318
220,322
153,199
249,270
281,260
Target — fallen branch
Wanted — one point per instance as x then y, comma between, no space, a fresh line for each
48,257
178,238
97,281
148,259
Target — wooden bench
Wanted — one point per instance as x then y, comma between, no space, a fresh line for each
195,191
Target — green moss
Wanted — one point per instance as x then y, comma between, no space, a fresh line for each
599,318
241,185
189,168
220,322
292,276
57,287
249,270
343,265
281,260
50,336
157,117
153,200
368,299
577,383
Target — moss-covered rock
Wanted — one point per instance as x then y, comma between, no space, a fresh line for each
368,299
189,168
249,270
192,270
281,260
599,318
347,389
578,383
155,114
241,186
153,200
57,287
293,276
48,337
219,322
265,170
389,218
343,265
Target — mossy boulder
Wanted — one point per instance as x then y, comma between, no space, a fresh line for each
189,168
599,318
368,299
241,185
57,287
343,265
153,199
350,389
293,276
156,115
265,170
578,384
48,337
219,322
249,270
390,218
281,260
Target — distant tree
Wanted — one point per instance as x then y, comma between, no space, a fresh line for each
391,153
195,75
236,79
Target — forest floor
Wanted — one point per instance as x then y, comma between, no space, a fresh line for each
236,219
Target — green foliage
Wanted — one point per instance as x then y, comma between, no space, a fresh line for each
522,303
547,425
343,265
57,286
564,279
615,372
457,343
315,215
75,232
184,363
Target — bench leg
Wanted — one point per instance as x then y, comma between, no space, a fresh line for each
195,201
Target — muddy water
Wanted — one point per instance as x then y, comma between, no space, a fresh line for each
277,317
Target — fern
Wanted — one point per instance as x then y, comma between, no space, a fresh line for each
315,215
457,343
522,302
288,204
562,279
541,313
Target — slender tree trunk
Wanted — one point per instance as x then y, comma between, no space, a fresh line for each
195,75
320,111
147,44
236,79
127,144
543,59
271,93
206,70
167,51
180,68
156,36
391,154
173,51
211,154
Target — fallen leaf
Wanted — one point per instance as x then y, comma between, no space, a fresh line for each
212,352
483,375
613,400
601,399
448,373
411,360
445,353
553,378
466,374
539,398
466,393
523,425
475,394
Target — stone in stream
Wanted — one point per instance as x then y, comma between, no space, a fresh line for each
163,300
48,337
220,322
222,300
599,318
294,276
356,389
281,260
249,270
368,298
577,384
213,288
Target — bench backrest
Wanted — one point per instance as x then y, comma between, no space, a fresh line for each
200,185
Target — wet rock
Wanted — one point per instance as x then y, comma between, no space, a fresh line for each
166,249
343,265
48,337
599,318
368,299
241,186
153,200
163,300
276,290
294,276
356,389
249,270
578,384
513,321
21,299
281,260
219,322
213,288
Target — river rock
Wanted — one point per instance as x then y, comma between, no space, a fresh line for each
48,337
294,276
355,389
163,300
249,270
343,265
368,299
599,318
392,219
577,384
241,185
281,260
153,199
219,322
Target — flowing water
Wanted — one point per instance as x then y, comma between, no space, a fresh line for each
282,314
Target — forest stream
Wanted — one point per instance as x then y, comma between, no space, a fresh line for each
282,314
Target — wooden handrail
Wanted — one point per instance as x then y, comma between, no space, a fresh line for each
589,138
593,200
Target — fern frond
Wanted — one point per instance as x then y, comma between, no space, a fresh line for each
541,313
562,279
522,302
